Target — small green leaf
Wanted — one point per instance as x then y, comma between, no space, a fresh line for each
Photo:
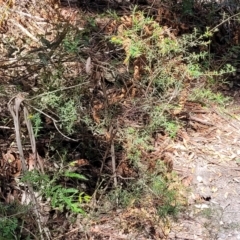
74,175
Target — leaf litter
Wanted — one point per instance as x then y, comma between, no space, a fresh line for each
206,154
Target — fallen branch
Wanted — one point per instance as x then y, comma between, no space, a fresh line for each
4,127
14,108
200,121
113,163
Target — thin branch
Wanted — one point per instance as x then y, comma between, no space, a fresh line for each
35,155
113,163
4,127
40,111
58,90
25,31
72,139
14,110
15,115
200,121
221,23
28,15
54,122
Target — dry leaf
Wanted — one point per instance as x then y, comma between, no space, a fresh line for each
214,189
31,162
187,181
133,92
80,163
8,157
136,74
16,168
88,65
95,116
108,136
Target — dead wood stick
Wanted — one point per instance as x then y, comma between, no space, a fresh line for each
18,100
36,157
200,121
113,163
14,110
4,127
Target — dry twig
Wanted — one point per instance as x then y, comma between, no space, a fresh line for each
113,163
14,109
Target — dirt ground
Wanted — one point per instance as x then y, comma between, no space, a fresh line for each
208,161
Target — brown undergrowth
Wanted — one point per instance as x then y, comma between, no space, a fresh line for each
97,103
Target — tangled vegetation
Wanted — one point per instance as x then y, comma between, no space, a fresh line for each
97,102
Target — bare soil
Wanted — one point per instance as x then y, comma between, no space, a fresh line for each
208,160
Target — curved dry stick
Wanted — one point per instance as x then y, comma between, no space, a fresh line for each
15,114
14,110
35,155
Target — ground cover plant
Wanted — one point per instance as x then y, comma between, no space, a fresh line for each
92,105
